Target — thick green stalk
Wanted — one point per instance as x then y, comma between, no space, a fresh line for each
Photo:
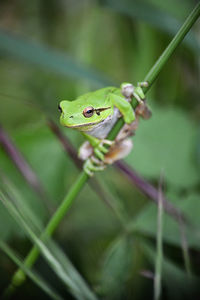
19,276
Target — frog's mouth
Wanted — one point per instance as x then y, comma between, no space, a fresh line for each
85,125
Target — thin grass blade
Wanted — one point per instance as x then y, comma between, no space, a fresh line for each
159,250
185,249
79,289
33,275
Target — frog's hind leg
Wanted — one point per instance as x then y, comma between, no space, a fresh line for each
118,151
85,151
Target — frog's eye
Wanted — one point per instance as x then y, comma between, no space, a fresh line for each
59,108
88,112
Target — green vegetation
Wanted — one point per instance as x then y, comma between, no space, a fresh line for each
63,50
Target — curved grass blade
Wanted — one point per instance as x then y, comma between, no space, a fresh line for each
159,246
78,288
44,57
33,275
174,277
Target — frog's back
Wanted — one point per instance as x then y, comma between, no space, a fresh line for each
97,96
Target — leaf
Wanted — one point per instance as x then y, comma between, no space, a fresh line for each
145,222
46,58
166,142
116,268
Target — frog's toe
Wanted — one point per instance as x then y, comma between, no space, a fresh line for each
97,161
143,84
99,153
107,142
137,95
90,167
127,90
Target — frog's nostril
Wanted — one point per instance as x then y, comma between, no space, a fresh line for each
71,117
59,108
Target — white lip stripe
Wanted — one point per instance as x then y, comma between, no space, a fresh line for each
84,125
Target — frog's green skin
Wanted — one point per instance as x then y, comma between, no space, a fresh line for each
103,101
106,104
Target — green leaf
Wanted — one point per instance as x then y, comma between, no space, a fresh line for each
145,222
166,143
116,268
53,60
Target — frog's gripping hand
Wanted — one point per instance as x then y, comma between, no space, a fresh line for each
95,159
96,162
129,91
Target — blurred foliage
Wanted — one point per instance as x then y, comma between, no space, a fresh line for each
59,50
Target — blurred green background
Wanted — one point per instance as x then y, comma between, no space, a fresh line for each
56,49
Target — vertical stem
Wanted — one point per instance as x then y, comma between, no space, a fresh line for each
159,254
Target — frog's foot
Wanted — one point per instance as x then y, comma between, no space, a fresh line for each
85,151
100,149
92,165
143,84
138,92
118,151
143,110
129,90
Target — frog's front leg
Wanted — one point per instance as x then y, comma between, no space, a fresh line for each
129,91
124,107
98,145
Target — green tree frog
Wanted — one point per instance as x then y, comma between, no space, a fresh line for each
95,113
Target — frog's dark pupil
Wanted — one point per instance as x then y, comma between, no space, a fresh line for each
88,112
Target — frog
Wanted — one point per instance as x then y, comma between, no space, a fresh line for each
95,113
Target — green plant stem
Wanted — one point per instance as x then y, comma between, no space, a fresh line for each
159,64
19,277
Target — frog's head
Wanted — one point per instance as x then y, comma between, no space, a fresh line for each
81,114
